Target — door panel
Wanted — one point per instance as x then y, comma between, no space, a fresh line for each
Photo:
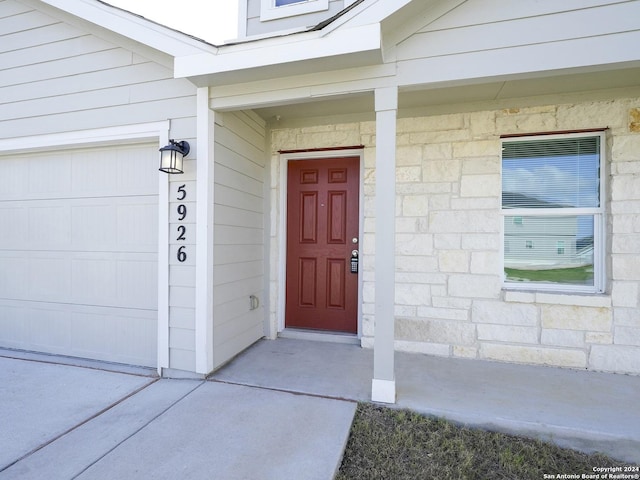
322,220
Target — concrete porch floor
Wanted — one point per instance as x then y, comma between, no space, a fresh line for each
587,411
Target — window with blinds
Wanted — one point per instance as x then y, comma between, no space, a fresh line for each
552,195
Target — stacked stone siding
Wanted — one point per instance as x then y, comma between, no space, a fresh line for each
449,295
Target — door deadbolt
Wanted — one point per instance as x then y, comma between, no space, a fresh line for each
354,261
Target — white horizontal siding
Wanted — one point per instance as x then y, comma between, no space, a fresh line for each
226,254
16,17
247,337
520,39
66,67
231,197
47,52
55,77
140,74
549,27
98,118
239,217
488,11
181,317
46,34
238,233
236,271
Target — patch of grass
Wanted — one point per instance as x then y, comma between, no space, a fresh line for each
394,444
577,275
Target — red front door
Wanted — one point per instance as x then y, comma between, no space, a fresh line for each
322,232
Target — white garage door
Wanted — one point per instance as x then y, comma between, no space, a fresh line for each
78,253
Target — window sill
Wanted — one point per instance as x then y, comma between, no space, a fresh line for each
580,300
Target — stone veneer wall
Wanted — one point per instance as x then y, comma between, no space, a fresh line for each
449,297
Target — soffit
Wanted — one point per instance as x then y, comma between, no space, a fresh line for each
425,101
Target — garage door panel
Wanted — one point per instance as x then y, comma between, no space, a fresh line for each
49,176
13,181
81,173
94,227
115,172
94,282
135,232
14,277
13,325
49,278
112,282
134,166
137,284
106,332
78,262
94,173
101,279
123,224
48,327
100,333
14,221
49,227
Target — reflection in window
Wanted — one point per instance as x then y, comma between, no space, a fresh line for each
557,249
560,247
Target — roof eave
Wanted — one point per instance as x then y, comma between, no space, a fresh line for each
134,27
303,53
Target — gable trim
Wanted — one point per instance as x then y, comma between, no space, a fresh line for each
130,25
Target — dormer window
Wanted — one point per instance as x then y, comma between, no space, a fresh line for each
274,9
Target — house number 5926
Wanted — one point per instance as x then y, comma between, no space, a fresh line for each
182,229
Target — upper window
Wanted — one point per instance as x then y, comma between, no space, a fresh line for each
552,202
280,3
274,9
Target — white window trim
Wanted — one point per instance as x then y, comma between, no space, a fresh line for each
269,11
599,226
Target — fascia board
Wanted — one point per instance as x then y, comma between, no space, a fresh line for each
285,51
137,28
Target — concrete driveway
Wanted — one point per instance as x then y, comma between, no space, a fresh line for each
74,422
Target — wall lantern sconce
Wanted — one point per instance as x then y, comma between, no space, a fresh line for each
171,156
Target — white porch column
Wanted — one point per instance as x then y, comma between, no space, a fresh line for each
383,387
204,233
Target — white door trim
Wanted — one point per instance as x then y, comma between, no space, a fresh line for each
282,227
